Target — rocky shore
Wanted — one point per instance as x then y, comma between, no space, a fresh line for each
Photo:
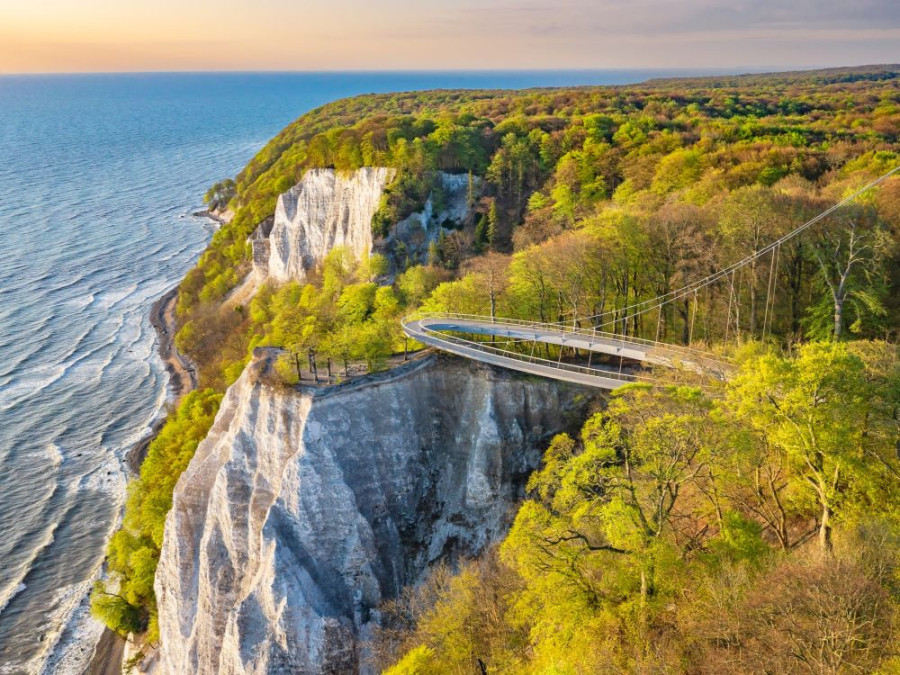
221,217
109,652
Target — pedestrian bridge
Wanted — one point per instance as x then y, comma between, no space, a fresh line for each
514,346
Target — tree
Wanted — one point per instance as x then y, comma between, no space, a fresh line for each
372,266
748,222
493,224
417,282
490,273
679,243
482,239
340,345
338,270
218,196
815,409
608,517
127,602
849,251
813,616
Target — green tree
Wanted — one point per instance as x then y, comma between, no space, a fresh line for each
127,603
849,253
818,410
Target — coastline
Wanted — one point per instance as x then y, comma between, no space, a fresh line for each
220,217
182,373
109,652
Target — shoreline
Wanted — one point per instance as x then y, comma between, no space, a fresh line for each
221,217
109,652
182,373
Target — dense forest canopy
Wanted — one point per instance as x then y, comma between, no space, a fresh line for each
649,185
687,529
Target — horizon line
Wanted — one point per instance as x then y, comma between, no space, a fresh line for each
736,71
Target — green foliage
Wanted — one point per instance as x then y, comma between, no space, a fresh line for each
417,661
126,603
416,283
346,318
218,196
590,140
654,541
607,197
751,156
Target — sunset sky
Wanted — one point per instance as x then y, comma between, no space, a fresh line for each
163,35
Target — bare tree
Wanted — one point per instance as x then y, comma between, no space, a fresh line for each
491,272
848,248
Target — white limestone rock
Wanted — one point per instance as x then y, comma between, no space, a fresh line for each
328,209
301,511
324,210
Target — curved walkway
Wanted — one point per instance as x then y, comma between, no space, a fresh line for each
433,330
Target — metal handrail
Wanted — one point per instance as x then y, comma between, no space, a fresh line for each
434,336
574,330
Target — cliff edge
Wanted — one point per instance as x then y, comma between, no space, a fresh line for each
302,511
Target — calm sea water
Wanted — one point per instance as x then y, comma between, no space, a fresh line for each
99,176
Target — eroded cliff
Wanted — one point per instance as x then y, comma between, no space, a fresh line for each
326,209
302,510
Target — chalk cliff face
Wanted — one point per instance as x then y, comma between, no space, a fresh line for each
324,210
301,511
328,209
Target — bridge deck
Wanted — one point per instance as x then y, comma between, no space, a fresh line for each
432,330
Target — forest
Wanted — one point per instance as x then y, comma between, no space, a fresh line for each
750,529
638,188
746,527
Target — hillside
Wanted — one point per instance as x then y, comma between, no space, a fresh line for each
688,529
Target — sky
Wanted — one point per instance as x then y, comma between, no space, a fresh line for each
194,35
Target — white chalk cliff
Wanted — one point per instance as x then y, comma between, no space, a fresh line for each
326,209
303,510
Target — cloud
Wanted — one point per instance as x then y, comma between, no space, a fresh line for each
480,34
664,18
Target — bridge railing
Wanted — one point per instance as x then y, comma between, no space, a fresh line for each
431,337
588,333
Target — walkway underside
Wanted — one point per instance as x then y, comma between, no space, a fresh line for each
435,330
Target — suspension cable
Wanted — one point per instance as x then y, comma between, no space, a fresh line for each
768,294
652,303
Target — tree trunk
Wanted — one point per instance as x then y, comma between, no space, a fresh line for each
796,287
838,318
685,312
644,588
752,288
825,542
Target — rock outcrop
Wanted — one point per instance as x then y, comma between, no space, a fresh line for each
303,510
409,239
329,208
326,209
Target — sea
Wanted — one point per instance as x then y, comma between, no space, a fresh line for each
100,176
